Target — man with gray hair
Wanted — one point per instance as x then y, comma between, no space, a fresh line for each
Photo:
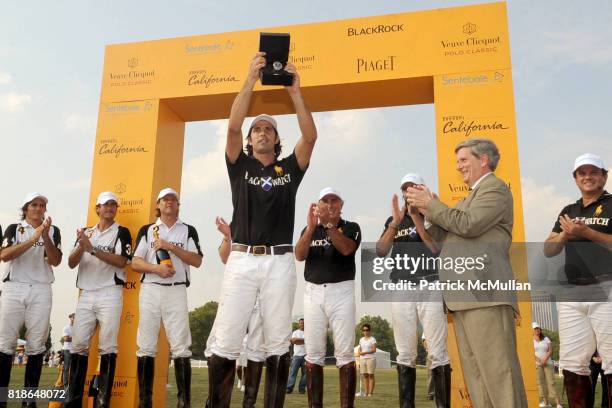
478,225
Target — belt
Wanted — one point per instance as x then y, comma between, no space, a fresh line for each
169,284
263,249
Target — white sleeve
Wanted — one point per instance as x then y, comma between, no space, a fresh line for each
141,248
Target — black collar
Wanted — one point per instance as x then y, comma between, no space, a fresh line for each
603,195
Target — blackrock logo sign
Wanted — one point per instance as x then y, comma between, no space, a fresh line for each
373,30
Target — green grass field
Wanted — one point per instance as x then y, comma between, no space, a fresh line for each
385,393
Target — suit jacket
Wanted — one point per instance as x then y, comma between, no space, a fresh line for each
480,226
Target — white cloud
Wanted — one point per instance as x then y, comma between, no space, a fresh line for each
13,101
78,184
581,47
207,171
541,206
77,123
5,78
352,129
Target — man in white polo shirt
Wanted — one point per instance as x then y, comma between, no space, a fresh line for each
67,347
163,294
31,248
101,253
298,362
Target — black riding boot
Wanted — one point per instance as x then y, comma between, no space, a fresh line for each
76,380
277,371
32,375
105,380
251,381
406,380
6,364
221,373
146,373
182,372
442,385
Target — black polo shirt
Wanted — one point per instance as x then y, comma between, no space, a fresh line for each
584,261
325,264
263,199
407,241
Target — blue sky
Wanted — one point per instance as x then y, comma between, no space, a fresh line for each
51,56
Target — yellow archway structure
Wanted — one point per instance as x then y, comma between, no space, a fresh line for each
456,58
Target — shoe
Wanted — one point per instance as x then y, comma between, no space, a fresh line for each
239,385
242,388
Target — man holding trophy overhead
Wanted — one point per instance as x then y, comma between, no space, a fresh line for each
261,259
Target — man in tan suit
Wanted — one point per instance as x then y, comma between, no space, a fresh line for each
479,227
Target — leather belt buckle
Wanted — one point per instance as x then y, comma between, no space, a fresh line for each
259,250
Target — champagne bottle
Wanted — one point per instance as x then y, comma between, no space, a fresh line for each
163,257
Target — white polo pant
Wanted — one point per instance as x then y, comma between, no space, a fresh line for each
101,306
405,317
255,340
168,305
25,303
273,277
329,305
584,327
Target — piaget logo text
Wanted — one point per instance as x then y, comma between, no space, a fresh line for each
374,65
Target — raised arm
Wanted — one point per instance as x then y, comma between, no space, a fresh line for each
240,108
303,245
385,242
305,146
